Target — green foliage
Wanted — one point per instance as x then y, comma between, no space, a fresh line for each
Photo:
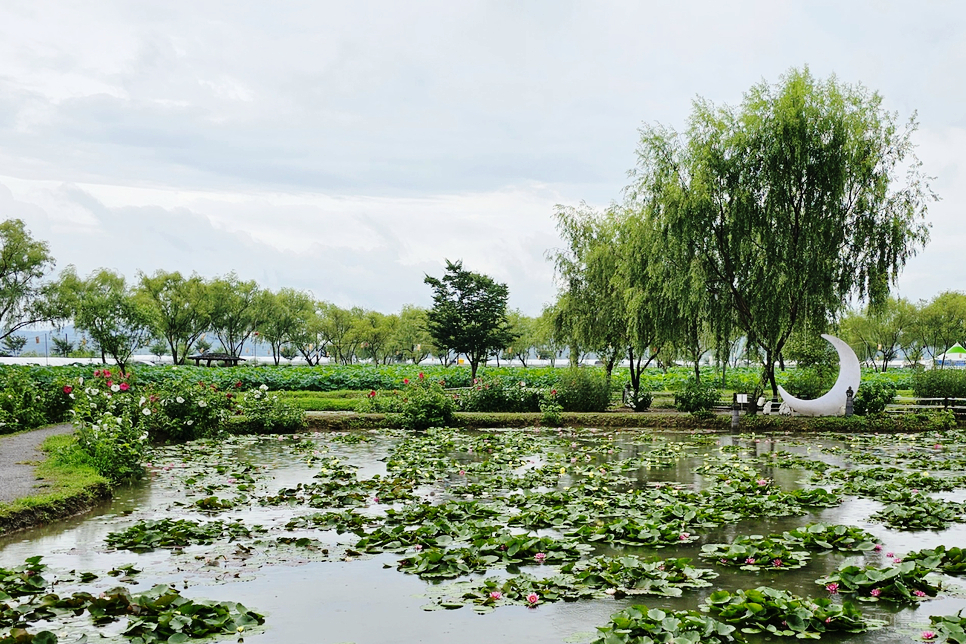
638,624
873,397
263,412
23,264
755,553
26,403
906,582
551,409
844,538
951,561
940,383
182,410
950,628
145,536
425,404
779,612
499,395
809,383
696,396
583,390
469,314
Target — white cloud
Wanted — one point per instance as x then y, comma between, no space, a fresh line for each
349,147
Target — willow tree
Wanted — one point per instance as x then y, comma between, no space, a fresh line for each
591,305
802,197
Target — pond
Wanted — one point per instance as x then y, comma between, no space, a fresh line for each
275,524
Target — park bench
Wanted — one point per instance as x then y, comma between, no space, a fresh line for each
226,359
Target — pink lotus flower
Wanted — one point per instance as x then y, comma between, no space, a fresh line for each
417,547
540,557
890,554
832,588
496,595
750,561
777,563
685,536
897,560
875,592
533,598
762,482
918,593
828,620
878,547
928,635
724,561
462,472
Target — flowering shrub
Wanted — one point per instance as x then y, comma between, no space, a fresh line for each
26,403
105,414
583,389
498,395
266,412
425,404
551,409
184,411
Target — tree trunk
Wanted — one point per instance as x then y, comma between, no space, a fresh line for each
697,371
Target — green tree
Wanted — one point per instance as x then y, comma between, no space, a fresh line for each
285,315
791,203
62,346
235,311
878,334
375,332
412,338
180,309
24,262
340,328
548,345
942,323
524,342
591,308
469,314
14,344
109,313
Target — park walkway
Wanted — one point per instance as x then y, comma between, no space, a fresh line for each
17,455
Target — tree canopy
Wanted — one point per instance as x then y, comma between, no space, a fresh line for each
469,314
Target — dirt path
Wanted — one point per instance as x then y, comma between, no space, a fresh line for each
17,453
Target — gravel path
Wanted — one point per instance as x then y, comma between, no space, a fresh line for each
17,478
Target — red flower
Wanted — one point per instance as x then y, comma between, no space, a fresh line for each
97,373
238,385
125,386
110,382
372,394
230,396
106,373
405,381
421,376
68,389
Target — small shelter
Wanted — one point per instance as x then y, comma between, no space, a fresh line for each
955,356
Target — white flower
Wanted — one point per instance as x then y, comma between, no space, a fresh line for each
263,387
202,403
142,401
189,422
80,380
180,399
115,388
71,396
146,411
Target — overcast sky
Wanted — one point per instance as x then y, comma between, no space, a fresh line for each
348,148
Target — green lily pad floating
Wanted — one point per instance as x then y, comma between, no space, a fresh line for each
906,582
145,536
779,612
844,538
641,624
755,552
951,561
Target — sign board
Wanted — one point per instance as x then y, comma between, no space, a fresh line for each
741,398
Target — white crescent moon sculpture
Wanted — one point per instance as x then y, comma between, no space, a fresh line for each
832,403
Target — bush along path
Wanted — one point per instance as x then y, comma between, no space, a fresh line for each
36,489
